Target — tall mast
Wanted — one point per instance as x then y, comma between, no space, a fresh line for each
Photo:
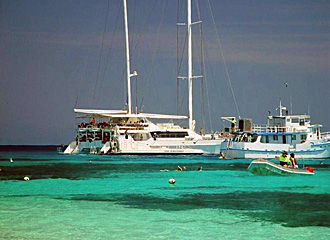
128,67
189,50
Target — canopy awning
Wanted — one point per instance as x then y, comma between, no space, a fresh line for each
89,113
99,111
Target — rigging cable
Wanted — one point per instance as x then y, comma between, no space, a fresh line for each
223,57
154,55
133,25
109,53
146,70
208,102
215,84
85,73
204,72
98,68
197,2
137,42
177,58
85,67
213,77
178,62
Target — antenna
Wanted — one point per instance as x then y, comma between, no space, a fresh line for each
308,105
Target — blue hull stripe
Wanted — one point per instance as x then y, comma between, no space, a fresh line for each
275,151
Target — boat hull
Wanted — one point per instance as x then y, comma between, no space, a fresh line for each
242,150
265,168
209,147
165,152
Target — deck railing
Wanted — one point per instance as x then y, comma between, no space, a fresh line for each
267,128
325,135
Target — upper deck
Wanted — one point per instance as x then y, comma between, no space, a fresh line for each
286,124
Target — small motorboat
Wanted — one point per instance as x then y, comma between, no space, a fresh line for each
265,168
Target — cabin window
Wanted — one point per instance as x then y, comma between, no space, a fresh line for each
294,137
284,139
140,136
254,137
82,137
295,120
106,136
98,135
277,121
263,139
170,134
275,137
303,137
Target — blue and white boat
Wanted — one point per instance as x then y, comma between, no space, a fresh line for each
291,133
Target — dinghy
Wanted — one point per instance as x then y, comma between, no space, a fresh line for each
264,168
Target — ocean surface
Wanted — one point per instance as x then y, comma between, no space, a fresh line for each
129,197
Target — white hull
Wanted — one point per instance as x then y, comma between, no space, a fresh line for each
307,150
264,168
164,151
291,133
211,147
148,147
169,146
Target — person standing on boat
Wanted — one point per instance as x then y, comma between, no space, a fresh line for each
155,136
284,159
233,123
293,160
93,121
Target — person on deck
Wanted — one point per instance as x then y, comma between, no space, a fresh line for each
155,136
93,121
233,124
201,131
284,159
293,160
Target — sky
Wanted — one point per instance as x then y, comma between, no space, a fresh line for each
59,55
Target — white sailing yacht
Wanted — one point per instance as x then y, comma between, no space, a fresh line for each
125,132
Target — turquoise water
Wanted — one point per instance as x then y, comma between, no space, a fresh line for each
122,197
